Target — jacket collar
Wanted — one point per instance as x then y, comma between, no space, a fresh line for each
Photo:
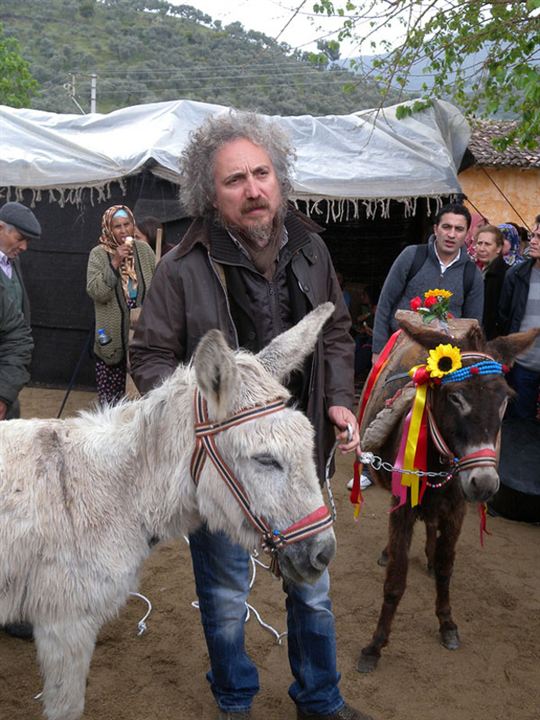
460,258
217,242
524,269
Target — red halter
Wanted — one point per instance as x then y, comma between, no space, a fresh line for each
205,446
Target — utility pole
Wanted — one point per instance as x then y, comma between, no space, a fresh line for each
70,88
93,92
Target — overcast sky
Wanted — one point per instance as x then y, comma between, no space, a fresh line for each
270,17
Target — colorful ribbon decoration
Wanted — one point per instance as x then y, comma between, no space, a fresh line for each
355,496
375,372
412,453
482,512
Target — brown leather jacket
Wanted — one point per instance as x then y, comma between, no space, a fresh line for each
187,298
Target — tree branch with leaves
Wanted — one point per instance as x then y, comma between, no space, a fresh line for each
484,56
17,85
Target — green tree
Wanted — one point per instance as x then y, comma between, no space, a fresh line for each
16,82
87,8
485,56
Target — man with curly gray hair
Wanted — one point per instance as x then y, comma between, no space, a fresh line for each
252,266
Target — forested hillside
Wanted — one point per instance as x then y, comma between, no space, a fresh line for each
149,50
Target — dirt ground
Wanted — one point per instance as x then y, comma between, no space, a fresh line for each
161,674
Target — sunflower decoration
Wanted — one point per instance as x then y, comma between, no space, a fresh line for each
444,359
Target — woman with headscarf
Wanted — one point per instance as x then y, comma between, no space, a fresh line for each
511,245
119,273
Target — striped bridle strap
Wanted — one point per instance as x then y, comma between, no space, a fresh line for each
485,457
205,446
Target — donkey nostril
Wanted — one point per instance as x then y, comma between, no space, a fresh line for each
322,557
321,560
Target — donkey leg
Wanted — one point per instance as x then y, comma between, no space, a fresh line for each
64,650
445,552
383,557
431,543
400,533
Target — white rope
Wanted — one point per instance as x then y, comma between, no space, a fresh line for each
254,559
141,625
142,622
327,470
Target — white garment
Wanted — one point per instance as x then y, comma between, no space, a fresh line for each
5,264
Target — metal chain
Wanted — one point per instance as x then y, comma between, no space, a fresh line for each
327,471
377,463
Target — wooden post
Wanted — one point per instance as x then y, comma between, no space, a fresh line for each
159,236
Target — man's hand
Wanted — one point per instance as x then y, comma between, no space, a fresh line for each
341,417
3,410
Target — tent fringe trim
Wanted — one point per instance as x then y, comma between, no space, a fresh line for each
325,209
345,209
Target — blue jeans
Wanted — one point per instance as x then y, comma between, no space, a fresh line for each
527,385
222,574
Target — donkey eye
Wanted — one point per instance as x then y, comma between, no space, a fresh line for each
459,401
267,461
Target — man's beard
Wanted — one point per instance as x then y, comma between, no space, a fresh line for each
259,234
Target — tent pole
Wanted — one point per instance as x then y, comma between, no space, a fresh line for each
76,371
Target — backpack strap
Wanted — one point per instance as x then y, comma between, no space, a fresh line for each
420,256
469,273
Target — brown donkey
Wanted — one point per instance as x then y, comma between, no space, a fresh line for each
466,412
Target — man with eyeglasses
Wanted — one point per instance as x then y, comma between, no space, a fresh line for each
519,309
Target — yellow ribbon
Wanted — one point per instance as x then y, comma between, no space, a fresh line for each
417,412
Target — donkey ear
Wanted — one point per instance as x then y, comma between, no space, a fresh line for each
216,373
508,346
288,351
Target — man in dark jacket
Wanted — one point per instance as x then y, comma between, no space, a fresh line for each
18,226
15,355
519,309
252,266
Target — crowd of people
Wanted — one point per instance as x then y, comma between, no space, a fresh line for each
252,265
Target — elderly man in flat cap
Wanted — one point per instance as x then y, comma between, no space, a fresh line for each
18,225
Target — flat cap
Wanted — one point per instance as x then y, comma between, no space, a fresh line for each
22,218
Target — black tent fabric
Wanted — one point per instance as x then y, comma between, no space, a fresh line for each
54,271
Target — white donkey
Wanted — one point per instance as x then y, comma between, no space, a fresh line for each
82,500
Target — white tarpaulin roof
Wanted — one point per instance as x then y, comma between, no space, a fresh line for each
367,157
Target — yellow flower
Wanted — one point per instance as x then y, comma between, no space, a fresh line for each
443,359
438,293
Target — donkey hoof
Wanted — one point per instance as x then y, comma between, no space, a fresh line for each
450,639
367,663
383,559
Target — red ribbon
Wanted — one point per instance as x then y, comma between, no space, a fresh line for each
375,372
356,496
482,512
